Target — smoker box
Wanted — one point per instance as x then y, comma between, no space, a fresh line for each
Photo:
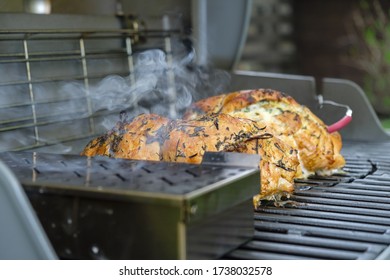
105,208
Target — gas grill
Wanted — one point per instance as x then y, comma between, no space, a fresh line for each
51,106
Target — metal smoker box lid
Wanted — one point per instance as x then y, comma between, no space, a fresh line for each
149,210
141,181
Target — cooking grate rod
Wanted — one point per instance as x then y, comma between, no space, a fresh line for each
65,34
45,119
349,203
368,196
69,55
314,230
62,79
320,222
58,141
325,253
39,102
64,117
340,216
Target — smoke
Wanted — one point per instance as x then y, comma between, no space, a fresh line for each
161,83
157,86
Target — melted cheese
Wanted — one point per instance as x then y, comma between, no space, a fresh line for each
261,112
265,112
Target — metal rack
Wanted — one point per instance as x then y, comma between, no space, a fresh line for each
47,78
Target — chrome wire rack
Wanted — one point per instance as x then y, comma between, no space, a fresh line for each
47,79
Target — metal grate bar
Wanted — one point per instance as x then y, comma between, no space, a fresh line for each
353,246
314,230
368,197
358,185
130,61
309,251
40,102
31,92
61,56
326,215
170,74
59,141
308,240
86,84
66,34
259,255
343,209
320,222
43,120
364,193
297,246
60,79
331,201
40,121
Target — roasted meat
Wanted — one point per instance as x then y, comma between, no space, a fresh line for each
294,124
152,137
291,140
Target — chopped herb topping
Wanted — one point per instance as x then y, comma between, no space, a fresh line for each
283,166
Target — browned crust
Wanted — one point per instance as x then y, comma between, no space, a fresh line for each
226,103
138,139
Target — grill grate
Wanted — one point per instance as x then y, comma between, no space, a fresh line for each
346,217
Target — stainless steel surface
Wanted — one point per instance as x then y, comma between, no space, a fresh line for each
22,236
157,210
227,20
